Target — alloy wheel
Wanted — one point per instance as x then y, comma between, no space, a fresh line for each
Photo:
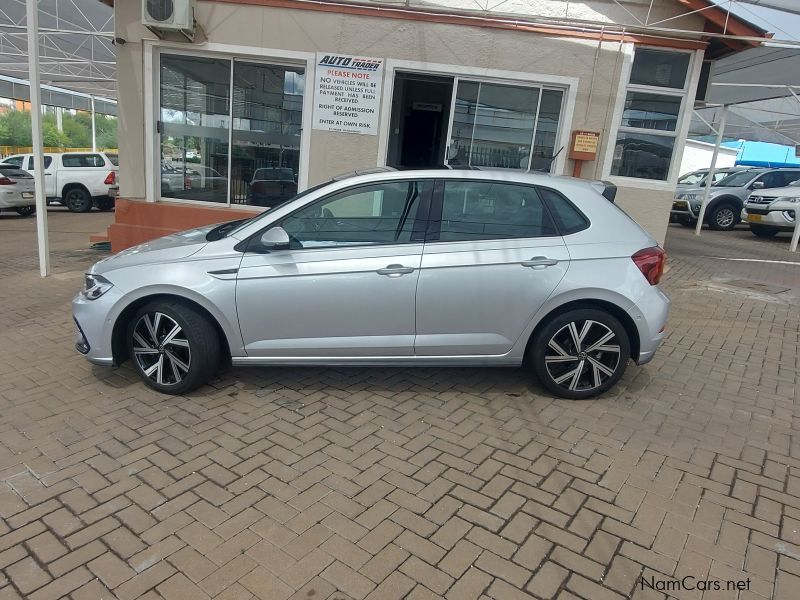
724,217
161,349
582,355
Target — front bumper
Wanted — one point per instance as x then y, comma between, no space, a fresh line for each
94,321
754,215
683,208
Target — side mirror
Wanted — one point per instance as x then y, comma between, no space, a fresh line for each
757,185
275,238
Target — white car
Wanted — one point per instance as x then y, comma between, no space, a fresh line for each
16,190
78,180
770,211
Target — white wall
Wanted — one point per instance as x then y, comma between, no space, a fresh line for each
697,155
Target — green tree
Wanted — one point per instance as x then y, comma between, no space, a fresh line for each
16,128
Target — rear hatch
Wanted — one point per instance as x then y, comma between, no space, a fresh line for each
21,180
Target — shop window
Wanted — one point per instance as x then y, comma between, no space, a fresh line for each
504,126
236,144
654,102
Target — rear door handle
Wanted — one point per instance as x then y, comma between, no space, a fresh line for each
395,270
539,261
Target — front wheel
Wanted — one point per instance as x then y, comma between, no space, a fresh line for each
26,211
722,218
174,348
764,231
580,353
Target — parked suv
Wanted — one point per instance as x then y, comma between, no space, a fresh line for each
391,268
768,212
728,196
78,180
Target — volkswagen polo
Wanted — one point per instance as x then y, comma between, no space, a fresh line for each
434,268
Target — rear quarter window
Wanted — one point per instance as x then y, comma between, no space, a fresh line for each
83,160
567,217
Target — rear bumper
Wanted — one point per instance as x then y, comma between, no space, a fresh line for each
14,199
650,315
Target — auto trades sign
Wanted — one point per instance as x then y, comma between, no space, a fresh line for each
347,94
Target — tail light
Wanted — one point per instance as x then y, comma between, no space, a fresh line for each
111,178
6,181
651,263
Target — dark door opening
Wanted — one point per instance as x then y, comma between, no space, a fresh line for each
420,117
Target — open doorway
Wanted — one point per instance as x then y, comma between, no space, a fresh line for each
420,117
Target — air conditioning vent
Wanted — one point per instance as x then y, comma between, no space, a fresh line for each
169,16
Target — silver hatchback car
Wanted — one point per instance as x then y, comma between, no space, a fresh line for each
445,268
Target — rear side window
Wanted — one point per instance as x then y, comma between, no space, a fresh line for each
568,218
114,158
48,160
83,160
487,210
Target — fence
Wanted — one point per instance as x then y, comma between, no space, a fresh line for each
9,150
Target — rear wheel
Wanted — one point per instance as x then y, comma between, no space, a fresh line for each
580,353
722,218
26,211
173,346
77,200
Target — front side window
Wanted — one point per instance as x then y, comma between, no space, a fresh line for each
654,102
482,210
14,160
383,213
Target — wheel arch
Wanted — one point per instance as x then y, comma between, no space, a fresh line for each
732,201
605,305
74,185
119,347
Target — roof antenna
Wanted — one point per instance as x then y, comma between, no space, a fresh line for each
549,164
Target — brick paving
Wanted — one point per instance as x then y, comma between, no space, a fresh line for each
400,483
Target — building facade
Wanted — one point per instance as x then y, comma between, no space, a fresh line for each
275,96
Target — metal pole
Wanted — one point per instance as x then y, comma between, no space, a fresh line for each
94,129
710,177
32,12
796,234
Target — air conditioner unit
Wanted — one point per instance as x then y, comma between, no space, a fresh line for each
169,16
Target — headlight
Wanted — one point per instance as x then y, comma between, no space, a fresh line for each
792,199
95,286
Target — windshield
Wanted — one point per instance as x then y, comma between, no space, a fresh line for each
737,179
691,178
239,224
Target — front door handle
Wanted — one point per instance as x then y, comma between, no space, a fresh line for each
395,270
539,261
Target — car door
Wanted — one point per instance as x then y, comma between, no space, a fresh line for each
492,257
49,174
345,286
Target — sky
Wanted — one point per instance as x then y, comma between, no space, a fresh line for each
785,26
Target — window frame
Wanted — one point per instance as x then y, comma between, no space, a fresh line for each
433,228
251,244
154,49
687,94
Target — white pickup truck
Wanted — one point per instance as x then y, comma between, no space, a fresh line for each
78,180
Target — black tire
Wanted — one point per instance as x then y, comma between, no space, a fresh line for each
590,380
105,204
723,217
764,231
196,346
77,200
26,211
